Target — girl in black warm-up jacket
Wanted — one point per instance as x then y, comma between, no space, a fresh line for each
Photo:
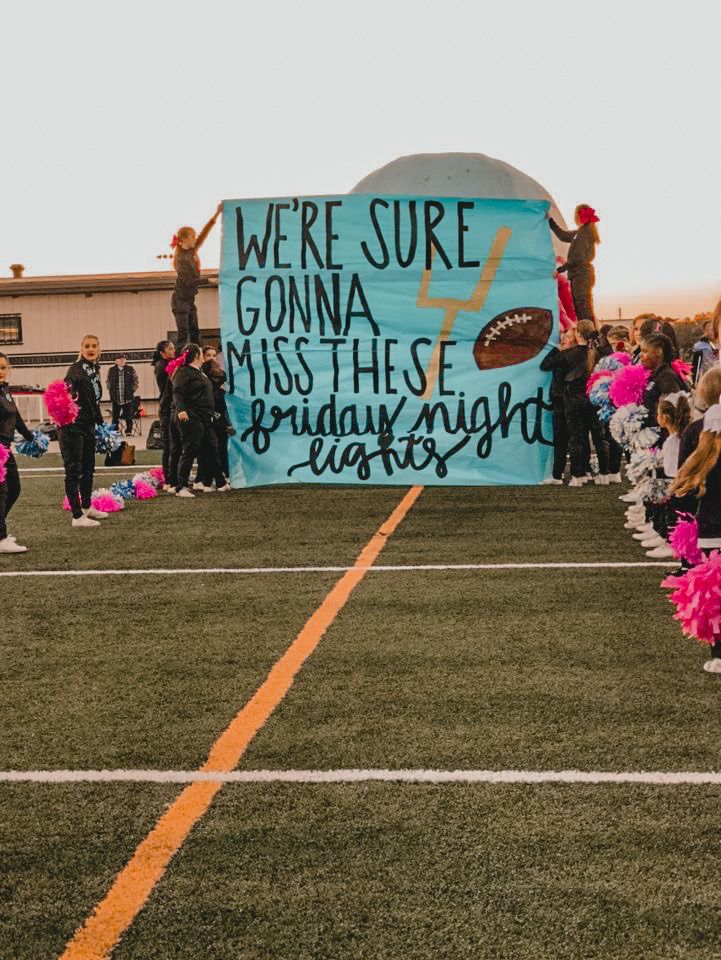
560,428
10,421
572,367
579,259
164,353
221,425
195,412
77,440
657,354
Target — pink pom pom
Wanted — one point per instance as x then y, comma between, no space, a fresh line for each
682,368
157,474
684,540
595,377
628,385
4,457
66,503
106,503
60,405
172,365
621,357
697,598
143,490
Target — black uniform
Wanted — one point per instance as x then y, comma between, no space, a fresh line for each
579,266
183,306
572,369
164,405
10,421
560,428
193,394
77,440
221,423
663,380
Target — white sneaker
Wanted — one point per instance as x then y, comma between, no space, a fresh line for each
185,493
170,489
8,545
629,497
226,487
601,480
615,478
633,524
550,481
95,514
208,489
576,481
84,521
713,665
198,486
660,553
652,542
642,535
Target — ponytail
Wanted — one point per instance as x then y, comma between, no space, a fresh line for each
692,475
159,348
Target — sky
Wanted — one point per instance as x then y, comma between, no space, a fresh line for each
123,121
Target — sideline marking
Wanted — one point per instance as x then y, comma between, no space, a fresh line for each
29,471
100,933
393,568
662,778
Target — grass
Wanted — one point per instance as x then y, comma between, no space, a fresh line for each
497,669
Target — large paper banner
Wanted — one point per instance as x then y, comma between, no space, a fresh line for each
387,340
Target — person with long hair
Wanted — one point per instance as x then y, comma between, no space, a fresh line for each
77,439
164,353
579,259
186,243
560,427
10,421
573,367
657,354
195,413
221,424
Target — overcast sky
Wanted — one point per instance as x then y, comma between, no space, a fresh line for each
122,121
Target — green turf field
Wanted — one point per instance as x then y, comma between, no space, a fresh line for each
491,669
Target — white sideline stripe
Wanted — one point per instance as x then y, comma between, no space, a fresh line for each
42,471
661,778
169,571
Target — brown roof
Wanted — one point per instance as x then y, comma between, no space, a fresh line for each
96,283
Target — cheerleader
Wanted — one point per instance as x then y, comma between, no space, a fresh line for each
657,354
10,421
164,352
186,264
195,413
701,474
77,439
221,424
579,259
560,428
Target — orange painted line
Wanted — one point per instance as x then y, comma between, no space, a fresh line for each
100,933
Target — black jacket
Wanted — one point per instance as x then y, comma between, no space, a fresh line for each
581,252
187,269
217,378
165,387
83,378
663,380
10,419
570,367
131,382
193,393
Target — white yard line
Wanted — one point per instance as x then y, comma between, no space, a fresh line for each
653,777
44,471
395,568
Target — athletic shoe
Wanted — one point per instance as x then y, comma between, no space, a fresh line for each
576,481
208,489
653,541
184,492
550,481
615,478
713,665
198,486
226,487
629,497
169,489
95,514
84,521
8,545
642,535
601,480
660,553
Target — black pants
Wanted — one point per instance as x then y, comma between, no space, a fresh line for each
581,420
186,320
77,446
582,293
198,441
560,438
175,448
123,411
205,465
165,435
9,492
615,453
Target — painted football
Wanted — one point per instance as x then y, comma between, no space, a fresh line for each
512,337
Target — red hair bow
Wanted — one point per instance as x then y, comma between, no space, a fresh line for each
587,215
174,242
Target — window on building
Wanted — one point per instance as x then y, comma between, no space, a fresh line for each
11,328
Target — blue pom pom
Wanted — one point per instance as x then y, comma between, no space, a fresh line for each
106,438
124,489
35,447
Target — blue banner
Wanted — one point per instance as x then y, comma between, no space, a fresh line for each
388,340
